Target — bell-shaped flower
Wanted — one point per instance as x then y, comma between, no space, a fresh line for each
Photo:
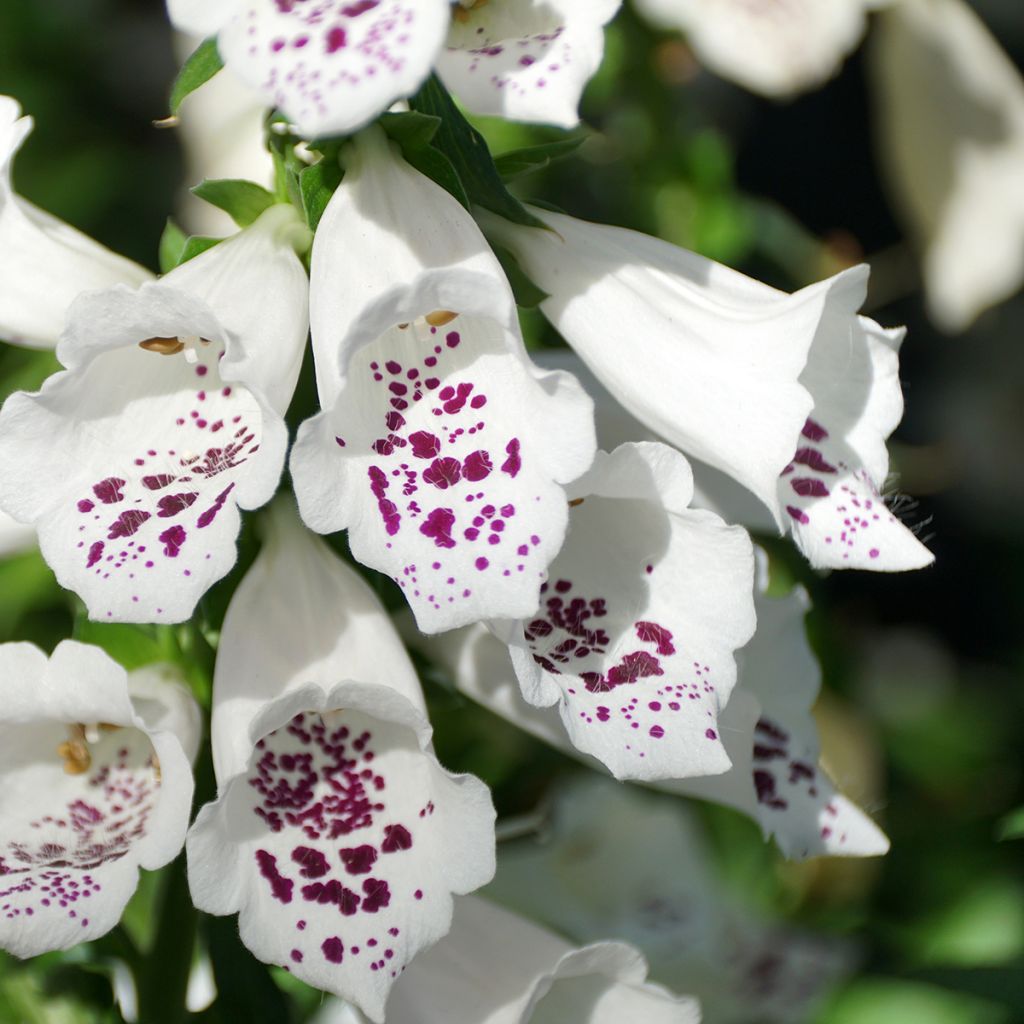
950,114
333,66
638,622
777,49
44,263
617,861
498,967
769,736
336,835
133,461
524,60
791,395
96,784
440,446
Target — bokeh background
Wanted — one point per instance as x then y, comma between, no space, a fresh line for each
923,709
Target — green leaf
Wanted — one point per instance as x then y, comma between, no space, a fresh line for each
1011,826
410,129
200,67
172,245
465,147
517,162
244,201
129,645
527,294
195,245
317,184
436,166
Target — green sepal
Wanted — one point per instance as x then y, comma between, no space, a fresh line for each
439,169
517,162
172,245
200,67
467,151
195,245
410,129
317,183
242,200
528,295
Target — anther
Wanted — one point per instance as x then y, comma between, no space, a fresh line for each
74,751
163,346
440,317
575,502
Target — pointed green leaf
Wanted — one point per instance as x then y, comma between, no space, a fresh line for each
195,245
465,147
317,184
172,245
517,162
436,166
244,201
200,67
410,129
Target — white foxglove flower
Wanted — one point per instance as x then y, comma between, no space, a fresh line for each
133,462
15,537
791,395
779,48
97,783
599,868
336,835
496,967
769,736
440,447
44,263
334,66
950,109
645,605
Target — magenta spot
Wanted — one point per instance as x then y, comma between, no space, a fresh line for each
333,949
396,837
443,473
85,505
813,459
210,514
312,863
157,483
335,39
814,431
656,732
652,633
452,339
873,553
808,487
798,515
171,504
513,463
477,466
424,445
360,860
109,490
711,734
481,563
201,371
95,554
376,895
127,524
280,887
172,540
438,527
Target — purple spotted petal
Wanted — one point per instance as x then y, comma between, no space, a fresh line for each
525,61
85,805
342,842
333,65
637,626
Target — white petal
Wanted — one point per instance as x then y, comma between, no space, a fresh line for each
155,453
161,698
525,59
777,49
342,842
951,116
15,537
44,263
334,66
83,807
300,615
202,17
434,447
831,488
713,358
497,967
646,603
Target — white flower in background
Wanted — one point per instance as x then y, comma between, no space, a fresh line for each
644,607
96,784
791,395
336,835
774,47
496,967
44,263
15,537
221,131
440,447
133,462
769,736
613,860
334,65
950,112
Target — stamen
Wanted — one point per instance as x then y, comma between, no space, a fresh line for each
75,751
463,8
576,501
163,346
440,317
